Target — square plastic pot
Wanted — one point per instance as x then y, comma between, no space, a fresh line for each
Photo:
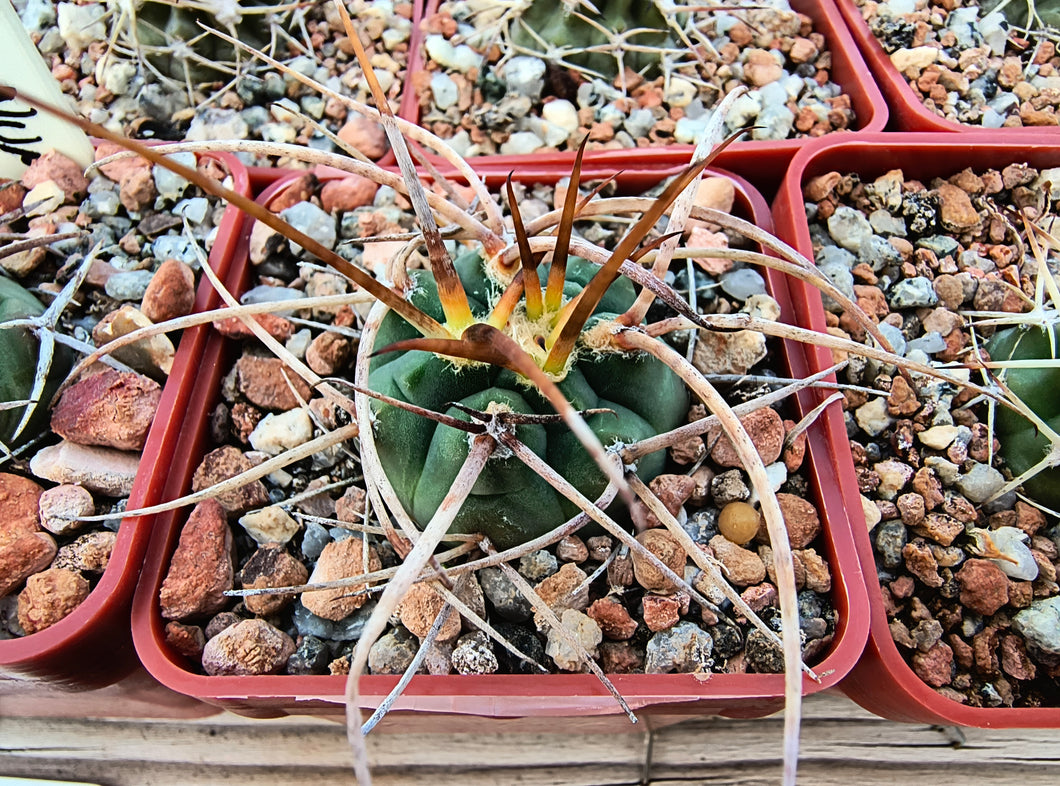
907,111
92,646
770,156
479,703
882,682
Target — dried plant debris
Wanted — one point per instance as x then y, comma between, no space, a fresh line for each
529,76
986,63
87,260
958,271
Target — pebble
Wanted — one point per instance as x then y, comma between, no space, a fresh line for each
61,506
984,587
980,482
311,656
538,565
276,433
393,652
251,647
460,57
100,470
169,185
214,123
915,292
221,464
563,590
170,293
849,228
329,353
504,596
420,608
1040,625
662,611
743,283
685,648
584,630
525,76
270,525
151,356
59,170
201,569
111,409
561,113
340,560
89,553
800,518
718,352
1012,543
312,221
271,566
669,551
914,60
521,143
50,596
936,666
474,654
348,193
613,618
364,135
186,640
742,567
765,428
267,383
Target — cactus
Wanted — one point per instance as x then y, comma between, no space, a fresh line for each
18,365
509,503
595,36
1023,443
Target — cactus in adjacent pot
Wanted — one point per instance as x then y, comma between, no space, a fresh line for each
1023,443
18,365
593,36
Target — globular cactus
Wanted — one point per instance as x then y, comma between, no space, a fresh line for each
510,503
18,364
595,41
1023,444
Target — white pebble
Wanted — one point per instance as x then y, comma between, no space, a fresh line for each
269,525
444,90
277,433
561,113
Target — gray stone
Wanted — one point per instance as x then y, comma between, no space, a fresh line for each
940,245
100,470
309,624
310,219
215,123
916,292
891,537
835,255
128,286
878,253
505,597
462,57
1040,625
314,540
742,283
525,76
883,223
538,565
849,227
393,652
522,143
444,90
171,186
980,482
684,648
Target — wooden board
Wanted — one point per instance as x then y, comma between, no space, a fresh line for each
841,744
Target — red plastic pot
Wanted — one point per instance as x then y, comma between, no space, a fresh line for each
476,703
882,682
92,647
770,158
908,112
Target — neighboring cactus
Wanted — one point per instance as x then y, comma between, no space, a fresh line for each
18,365
1023,443
509,503
595,38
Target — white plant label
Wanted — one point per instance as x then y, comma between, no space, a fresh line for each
26,133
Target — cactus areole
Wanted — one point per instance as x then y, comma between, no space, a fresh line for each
1022,444
509,503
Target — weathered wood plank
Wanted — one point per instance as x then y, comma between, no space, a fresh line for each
841,744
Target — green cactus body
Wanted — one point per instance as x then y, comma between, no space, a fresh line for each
161,24
1022,445
510,503
561,28
18,363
